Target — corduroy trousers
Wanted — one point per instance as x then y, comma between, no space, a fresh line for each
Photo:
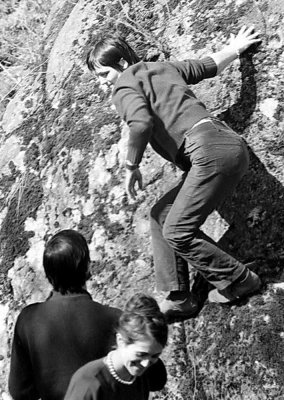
214,158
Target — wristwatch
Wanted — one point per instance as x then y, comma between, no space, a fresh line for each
131,167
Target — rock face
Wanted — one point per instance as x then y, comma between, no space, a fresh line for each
61,154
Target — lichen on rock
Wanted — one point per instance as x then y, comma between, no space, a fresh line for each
62,151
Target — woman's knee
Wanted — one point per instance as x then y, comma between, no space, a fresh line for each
177,238
171,235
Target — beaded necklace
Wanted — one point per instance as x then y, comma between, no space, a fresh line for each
109,363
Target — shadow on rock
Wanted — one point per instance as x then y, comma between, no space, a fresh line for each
255,212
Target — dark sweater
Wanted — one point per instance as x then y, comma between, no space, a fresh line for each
94,382
55,338
158,106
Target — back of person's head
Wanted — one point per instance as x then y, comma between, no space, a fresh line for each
141,318
66,261
108,52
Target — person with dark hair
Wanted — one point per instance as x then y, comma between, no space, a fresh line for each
54,338
109,51
66,262
160,108
134,368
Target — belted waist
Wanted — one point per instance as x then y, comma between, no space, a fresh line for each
204,120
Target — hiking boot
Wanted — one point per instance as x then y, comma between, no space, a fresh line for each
246,284
179,309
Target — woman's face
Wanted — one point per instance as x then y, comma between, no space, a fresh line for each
138,356
107,75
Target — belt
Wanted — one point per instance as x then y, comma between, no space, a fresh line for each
213,120
203,121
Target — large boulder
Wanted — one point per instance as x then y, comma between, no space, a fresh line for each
62,151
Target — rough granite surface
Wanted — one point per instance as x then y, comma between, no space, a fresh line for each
62,148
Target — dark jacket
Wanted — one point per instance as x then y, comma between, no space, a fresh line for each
53,339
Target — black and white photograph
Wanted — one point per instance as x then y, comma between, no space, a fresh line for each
141,200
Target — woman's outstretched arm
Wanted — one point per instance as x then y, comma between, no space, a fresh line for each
238,44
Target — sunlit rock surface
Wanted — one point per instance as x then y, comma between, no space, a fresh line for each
62,149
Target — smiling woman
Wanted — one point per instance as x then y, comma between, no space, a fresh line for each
134,368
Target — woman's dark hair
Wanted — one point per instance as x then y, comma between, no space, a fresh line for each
142,317
108,51
65,260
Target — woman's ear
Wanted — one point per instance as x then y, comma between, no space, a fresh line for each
123,63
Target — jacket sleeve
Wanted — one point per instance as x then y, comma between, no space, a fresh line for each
82,389
21,382
194,71
156,376
132,106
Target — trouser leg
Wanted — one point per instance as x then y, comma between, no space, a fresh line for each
171,270
217,169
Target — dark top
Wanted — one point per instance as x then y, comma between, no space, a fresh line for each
158,106
53,339
94,382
